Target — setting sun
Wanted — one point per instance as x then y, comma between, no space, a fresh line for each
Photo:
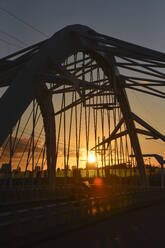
91,158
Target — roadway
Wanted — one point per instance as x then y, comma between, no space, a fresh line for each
138,228
86,222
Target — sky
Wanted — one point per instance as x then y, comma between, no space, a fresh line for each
140,22
135,21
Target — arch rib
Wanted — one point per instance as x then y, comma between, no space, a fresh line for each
127,115
28,85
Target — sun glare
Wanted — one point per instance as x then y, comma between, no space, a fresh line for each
91,158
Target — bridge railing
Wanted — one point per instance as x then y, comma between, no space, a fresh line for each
68,192
89,208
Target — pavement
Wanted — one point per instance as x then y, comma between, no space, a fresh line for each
143,227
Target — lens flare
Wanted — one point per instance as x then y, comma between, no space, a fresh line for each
98,181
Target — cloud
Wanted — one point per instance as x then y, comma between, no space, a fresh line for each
21,146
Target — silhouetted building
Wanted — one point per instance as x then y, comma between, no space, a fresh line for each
5,168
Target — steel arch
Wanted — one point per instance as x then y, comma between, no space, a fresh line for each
55,50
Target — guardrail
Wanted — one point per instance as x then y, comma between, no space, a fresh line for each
17,194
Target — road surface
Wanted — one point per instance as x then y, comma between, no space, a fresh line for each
139,228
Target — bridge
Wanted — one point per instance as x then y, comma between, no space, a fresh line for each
70,146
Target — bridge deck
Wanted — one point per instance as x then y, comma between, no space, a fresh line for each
139,228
